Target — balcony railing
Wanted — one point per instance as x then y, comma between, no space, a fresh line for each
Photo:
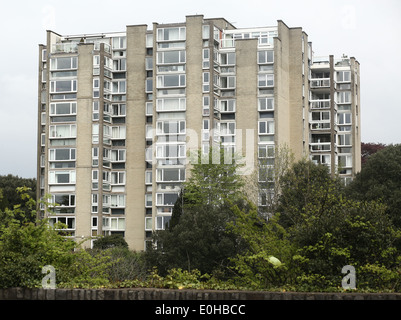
320,83
320,104
71,47
319,147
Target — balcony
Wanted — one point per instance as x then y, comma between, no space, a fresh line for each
70,47
320,147
320,83
320,104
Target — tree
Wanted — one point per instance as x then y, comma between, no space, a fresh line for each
315,233
380,180
368,149
197,237
11,198
264,185
26,247
110,241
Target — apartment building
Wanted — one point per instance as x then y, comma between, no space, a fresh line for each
120,113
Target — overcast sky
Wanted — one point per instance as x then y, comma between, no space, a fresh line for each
368,30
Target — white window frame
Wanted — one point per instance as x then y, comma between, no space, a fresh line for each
263,57
162,148
265,80
73,63
160,175
227,128
162,34
117,177
54,107
53,153
161,81
160,199
228,105
117,200
53,86
72,131
161,125
179,102
266,104
161,57
267,126
53,176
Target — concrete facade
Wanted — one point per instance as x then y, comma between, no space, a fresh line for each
118,114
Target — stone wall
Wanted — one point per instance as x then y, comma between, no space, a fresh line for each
166,294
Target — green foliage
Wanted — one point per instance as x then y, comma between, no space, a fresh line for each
9,198
316,232
110,241
197,237
380,180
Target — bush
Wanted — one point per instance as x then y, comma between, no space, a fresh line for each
110,241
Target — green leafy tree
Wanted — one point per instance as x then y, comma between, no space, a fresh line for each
315,233
10,198
197,237
26,247
380,180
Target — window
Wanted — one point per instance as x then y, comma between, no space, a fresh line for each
266,127
63,108
118,177
118,132
117,223
166,199
63,86
227,82
148,200
266,151
344,161
344,139
118,155
117,200
344,118
64,63
170,175
171,57
227,58
227,105
170,127
227,128
148,177
162,222
61,177
67,222
119,86
171,34
148,223
118,109
63,131
119,42
321,159
344,97
344,76
120,65
172,104
61,154
320,116
63,200
265,57
170,151
265,104
168,81
266,80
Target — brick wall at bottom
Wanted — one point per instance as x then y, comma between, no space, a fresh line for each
185,294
